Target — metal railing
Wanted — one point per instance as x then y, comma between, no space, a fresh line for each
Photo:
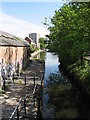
19,77
16,110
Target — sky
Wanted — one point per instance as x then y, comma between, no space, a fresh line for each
22,18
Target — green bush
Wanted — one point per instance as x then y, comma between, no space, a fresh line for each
82,73
33,48
42,43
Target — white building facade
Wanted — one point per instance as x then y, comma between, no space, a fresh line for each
35,37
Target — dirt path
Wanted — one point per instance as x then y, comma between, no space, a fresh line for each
17,89
34,69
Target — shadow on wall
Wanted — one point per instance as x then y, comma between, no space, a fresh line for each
26,57
17,71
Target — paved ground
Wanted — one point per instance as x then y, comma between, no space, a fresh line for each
17,89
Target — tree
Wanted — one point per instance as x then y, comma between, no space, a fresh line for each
69,32
42,42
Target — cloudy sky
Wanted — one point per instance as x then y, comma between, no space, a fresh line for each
22,18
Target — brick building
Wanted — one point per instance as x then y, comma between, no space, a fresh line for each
14,52
30,41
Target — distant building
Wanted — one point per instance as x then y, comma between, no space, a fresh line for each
35,37
30,41
13,52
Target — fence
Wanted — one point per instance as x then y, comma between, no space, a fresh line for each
25,80
16,110
22,104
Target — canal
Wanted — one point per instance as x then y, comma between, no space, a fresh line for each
61,99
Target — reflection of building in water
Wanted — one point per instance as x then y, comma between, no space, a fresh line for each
13,52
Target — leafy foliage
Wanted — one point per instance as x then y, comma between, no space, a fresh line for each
42,42
65,98
69,32
69,37
33,48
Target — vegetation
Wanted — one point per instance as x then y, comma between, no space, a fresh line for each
2,92
65,99
81,73
33,48
69,37
41,58
17,38
42,42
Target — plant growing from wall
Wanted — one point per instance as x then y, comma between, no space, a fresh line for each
33,48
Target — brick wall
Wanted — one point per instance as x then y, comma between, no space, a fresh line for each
16,56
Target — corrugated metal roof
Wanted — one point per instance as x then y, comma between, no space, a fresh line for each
7,39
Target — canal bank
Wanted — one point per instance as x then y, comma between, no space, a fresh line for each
34,54
61,98
76,81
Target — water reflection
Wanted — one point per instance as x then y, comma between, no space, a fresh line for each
66,100
60,92
61,99
51,60
51,66
56,78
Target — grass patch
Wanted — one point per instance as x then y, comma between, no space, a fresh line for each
2,92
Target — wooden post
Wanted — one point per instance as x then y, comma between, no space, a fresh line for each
25,80
4,84
17,113
13,78
43,75
25,106
41,83
34,81
38,105
34,100
39,114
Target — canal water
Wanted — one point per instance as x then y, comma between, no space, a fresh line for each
61,99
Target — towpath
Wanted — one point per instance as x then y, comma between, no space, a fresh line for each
17,89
